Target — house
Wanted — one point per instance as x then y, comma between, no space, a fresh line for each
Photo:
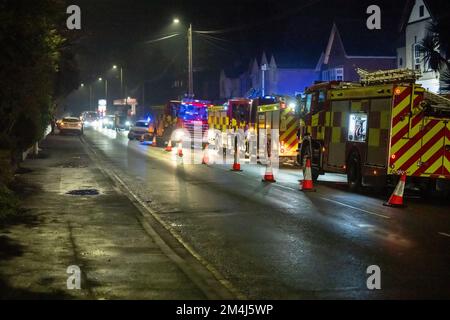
274,80
414,25
350,46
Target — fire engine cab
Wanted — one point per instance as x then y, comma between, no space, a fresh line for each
376,130
176,120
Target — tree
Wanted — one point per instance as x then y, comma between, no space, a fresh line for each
435,48
34,59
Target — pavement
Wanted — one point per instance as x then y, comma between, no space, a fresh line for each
121,253
272,241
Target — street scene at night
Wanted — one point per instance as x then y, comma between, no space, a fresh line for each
225,150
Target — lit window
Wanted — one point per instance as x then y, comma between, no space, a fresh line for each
357,129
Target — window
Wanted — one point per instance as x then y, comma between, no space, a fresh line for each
400,62
308,103
417,56
333,74
321,101
357,129
421,11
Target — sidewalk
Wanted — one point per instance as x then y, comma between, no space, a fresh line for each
98,233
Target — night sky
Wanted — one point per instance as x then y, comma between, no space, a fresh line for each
296,32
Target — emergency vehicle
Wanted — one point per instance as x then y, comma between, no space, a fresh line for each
256,116
375,130
177,119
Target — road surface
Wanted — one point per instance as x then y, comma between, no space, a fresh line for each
274,241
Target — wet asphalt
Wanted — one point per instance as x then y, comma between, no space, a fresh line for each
272,241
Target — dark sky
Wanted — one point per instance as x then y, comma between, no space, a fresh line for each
296,32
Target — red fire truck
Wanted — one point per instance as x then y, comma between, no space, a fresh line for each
378,129
177,119
256,116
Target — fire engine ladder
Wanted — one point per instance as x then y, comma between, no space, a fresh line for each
438,104
437,100
387,76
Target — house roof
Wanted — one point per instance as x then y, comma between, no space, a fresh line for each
358,40
436,8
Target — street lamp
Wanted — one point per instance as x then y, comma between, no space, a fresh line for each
189,52
100,79
115,67
90,94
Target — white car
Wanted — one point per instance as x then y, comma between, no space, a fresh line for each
70,125
138,129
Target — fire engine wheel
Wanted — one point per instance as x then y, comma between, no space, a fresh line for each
354,177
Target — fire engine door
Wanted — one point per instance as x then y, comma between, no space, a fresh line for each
433,147
339,132
378,131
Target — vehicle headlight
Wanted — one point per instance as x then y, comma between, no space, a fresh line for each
127,123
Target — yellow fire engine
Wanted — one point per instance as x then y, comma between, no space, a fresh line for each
257,115
377,129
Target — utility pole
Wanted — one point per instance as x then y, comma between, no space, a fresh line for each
264,68
90,97
121,82
190,76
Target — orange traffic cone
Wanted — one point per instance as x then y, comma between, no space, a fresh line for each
307,183
154,141
396,199
180,150
268,176
169,146
205,159
236,164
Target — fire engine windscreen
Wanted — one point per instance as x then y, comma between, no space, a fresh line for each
241,112
357,127
191,112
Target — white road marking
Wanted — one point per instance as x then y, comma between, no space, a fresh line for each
444,234
342,204
281,186
355,208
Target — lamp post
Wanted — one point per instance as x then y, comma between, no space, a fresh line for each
121,79
82,85
191,77
190,59
106,87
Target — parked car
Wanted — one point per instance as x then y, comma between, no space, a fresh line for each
140,128
70,125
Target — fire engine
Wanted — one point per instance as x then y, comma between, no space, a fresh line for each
256,116
375,130
176,119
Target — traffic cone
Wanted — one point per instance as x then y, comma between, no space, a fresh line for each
169,146
236,164
396,199
180,150
268,176
205,159
307,183
154,141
